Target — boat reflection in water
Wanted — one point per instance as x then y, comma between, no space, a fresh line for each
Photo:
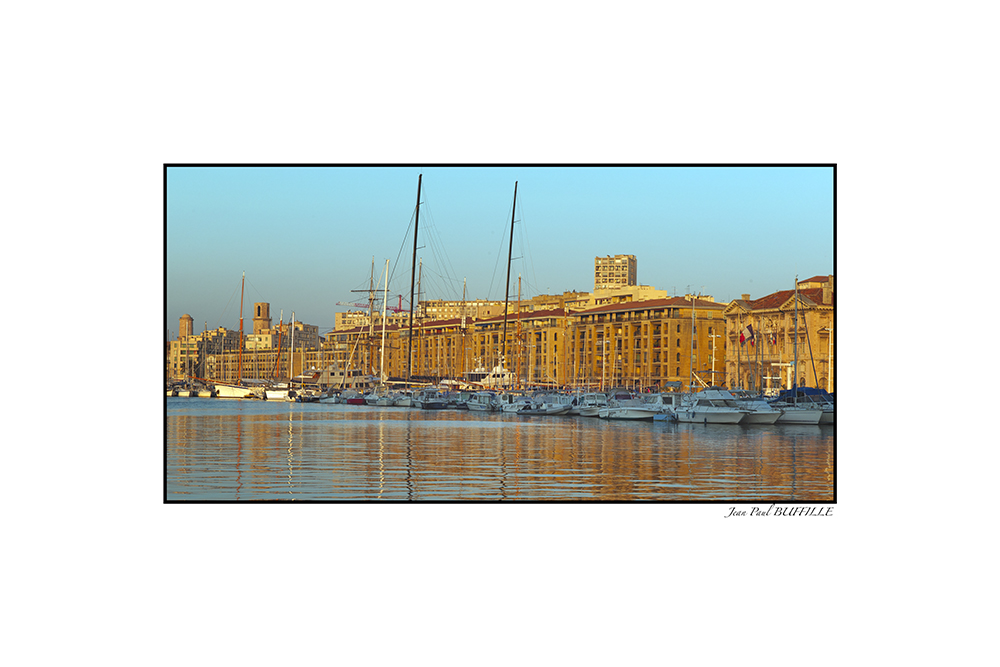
257,450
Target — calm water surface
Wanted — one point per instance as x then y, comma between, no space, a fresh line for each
235,450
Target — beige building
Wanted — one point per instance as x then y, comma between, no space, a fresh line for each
634,336
613,272
765,359
647,343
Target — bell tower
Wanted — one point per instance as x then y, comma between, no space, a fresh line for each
261,317
186,326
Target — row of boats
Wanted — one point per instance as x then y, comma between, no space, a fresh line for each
714,405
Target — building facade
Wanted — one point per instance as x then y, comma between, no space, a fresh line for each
614,272
557,340
783,339
648,343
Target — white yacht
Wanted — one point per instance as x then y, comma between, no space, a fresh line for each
640,406
710,406
760,411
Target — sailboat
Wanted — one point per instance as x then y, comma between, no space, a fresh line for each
238,390
381,395
499,376
791,411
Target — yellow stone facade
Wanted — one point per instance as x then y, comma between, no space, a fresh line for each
767,364
689,341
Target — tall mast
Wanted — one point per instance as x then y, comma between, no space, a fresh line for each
277,369
413,268
239,365
420,277
371,319
461,371
506,297
795,366
517,337
381,362
691,360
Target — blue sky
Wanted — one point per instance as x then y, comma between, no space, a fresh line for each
306,236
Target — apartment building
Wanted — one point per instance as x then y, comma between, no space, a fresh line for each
648,343
611,272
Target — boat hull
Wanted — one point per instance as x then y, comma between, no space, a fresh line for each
793,416
764,417
231,391
710,416
627,413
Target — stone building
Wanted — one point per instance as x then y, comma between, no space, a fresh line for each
647,343
764,358
568,339
613,272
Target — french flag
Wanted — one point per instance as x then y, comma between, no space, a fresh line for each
746,334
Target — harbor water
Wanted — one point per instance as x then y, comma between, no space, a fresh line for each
244,450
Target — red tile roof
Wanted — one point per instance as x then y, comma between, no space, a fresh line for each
651,304
777,298
526,315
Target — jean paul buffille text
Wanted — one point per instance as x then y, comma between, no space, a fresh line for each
773,510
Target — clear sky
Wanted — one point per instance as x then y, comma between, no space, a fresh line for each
306,236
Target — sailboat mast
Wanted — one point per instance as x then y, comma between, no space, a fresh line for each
795,347
461,372
413,268
277,369
381,362
239,365
506,297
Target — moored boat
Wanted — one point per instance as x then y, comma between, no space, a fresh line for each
482,401
590,404
710,406
760,411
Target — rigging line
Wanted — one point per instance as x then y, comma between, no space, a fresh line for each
502,251
256,290
438,250
226,309
403,244
524,246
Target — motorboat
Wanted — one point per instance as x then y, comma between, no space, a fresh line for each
512,401
352,397
544,405
590,404
810,397
637,407
431,398
710,406
482,401
760,411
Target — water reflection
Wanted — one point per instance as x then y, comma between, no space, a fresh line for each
321,452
